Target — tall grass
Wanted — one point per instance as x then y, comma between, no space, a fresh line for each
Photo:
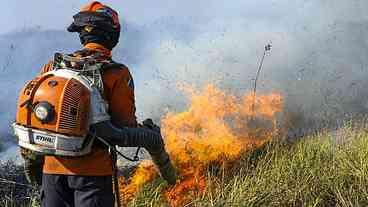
324,170
14,190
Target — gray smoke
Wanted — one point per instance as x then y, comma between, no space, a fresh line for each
318,60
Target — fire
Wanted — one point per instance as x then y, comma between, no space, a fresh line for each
193,183
144,173
216,128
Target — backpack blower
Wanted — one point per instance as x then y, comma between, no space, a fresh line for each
62,113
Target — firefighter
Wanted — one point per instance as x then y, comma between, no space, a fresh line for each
87,181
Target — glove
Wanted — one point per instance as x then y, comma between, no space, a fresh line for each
148,123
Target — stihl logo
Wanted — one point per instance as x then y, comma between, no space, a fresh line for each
44,139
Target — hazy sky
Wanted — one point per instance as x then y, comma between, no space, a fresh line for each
57,14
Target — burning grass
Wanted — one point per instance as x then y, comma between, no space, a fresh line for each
215,130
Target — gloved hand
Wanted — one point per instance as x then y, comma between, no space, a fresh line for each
150,125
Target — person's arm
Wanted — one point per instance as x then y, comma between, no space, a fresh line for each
121,99
122,131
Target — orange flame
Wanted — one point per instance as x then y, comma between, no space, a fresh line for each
192,184
145,172
217,127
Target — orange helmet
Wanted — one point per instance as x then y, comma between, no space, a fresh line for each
97,22
102,9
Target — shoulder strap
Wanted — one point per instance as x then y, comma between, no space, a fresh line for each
112,65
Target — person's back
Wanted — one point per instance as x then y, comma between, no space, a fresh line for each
87,180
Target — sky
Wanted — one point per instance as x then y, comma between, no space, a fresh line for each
57,14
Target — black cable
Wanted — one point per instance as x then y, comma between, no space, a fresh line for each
135,159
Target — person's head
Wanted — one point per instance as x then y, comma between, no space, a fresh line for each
97,23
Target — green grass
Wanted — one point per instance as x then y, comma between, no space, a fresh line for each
313,171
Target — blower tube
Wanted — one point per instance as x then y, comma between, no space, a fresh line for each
144,137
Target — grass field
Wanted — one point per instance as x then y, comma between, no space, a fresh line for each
328,169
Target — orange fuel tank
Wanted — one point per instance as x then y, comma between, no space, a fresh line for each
64,100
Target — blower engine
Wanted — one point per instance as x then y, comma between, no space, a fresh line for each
56,109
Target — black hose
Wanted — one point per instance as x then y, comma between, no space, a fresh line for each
129,137
150,139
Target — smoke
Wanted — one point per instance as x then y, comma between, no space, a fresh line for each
318,60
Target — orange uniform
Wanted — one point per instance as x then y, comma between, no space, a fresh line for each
119,94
